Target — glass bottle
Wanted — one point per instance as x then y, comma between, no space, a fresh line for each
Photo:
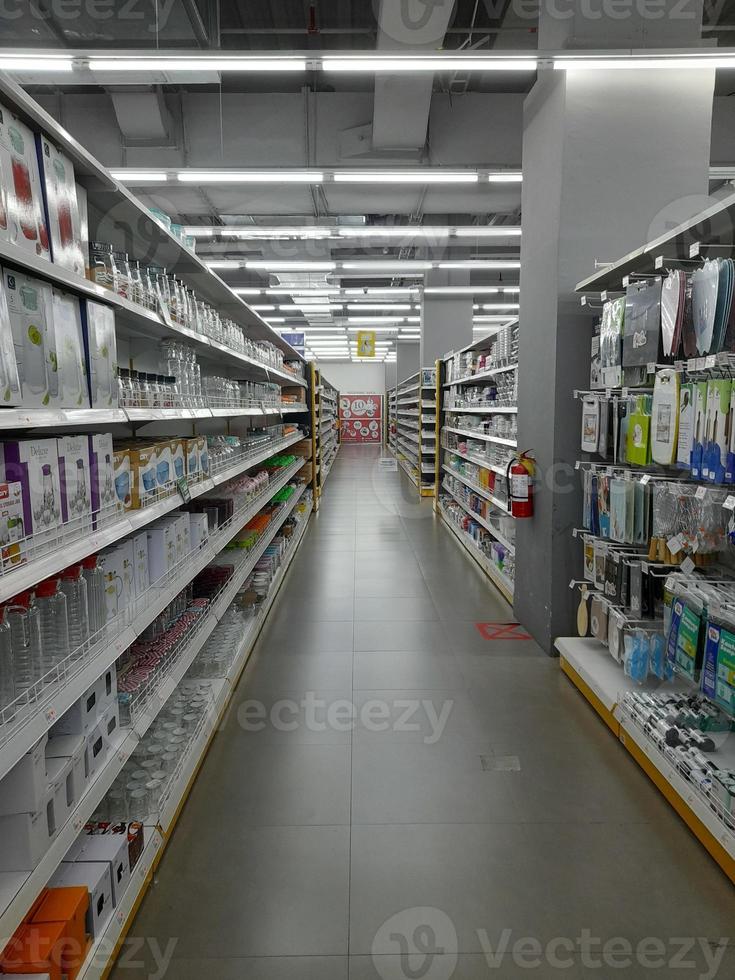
96,605
51,603
25,635
74,587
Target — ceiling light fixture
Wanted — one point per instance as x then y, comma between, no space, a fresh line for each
274,265
481,264
409,63
246,291
391,307
426,176
625,63
198,63
224,264
139,176
250,176
467,290
35,63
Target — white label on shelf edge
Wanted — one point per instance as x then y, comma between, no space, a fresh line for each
675,544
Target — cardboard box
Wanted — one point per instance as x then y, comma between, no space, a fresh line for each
98,881
161,549
111,849
71,364
102,479
81,716
198,531
12,530
38,951
23,788
150,470
75,480
192,449
30,307
117,566
22,219
70,747
95,751
61,784
25,837
110,724
100,349
123,478
178,458
62,210
34,464
68,906
10,390
141,579
302,448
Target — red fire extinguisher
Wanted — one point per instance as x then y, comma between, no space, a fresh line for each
519,478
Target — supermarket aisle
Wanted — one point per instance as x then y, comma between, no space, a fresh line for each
477,792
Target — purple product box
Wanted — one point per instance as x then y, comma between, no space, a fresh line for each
34,464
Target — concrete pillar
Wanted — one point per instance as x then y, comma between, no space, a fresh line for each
603,154
407,359
446,321
391,371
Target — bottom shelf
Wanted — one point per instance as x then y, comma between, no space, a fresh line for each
591,668
409,468
498,578
159,827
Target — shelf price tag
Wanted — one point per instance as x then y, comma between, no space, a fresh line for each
710,361
701,493
729,503
688,566
675,544
646,478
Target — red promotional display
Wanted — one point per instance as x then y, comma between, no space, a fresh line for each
360,418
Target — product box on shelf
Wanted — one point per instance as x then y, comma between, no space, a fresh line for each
97,879
192,452
62,210
12,529
25,837
38,952
75,480
110,724
110,849
22,789
161,549
83,205
86,710
71,363
141,578
30,307
35,465
118,567
178,458
138,470
95,749
61,784
122,478
102,478
100,349
22,220
67,906
198,531
302,448
10,391
70,747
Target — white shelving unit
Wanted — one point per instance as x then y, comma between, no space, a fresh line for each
485,532
427,411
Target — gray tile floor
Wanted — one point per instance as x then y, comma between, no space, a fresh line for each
418,799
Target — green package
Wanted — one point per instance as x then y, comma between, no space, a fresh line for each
687,643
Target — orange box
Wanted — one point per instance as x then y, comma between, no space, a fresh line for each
68,906
41,949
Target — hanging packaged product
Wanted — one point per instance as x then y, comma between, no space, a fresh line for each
100,346
62,210
638,446
34,464
642,325
72,370
22,220
685,434
596,379
699,430
590,424
665,417
730,458
672,302
30,304
74,480
683,647
611,343
718,667
715,451
704,304
10,393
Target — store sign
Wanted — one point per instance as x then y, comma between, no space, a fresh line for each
296,340
366,343
360,418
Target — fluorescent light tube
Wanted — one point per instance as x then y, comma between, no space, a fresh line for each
224,264
501,306
433,63
276,231
395,231
405,177
382,291
481,264
35,63
274,265
302,291
459,290
396,266
276,319
246,291
391,307
636,64
138,176
197,63
263,309
487,231
250,176
505,177
387,330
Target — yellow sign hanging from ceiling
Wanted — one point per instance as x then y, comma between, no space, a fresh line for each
366,343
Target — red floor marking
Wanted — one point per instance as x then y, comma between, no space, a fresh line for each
502,631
